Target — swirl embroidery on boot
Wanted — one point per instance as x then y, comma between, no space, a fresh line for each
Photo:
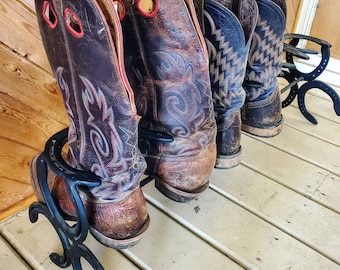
181,93
72,137
181,98
108,146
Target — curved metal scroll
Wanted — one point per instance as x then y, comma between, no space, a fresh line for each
294,76
71,236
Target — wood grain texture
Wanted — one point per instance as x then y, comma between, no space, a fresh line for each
292,13
13,192
31,106
21,32
30,85
24,124
326,25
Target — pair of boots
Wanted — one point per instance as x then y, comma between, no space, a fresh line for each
245,43
115,58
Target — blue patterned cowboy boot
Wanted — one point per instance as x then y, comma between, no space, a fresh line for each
228,29
85,53
261,114
167,64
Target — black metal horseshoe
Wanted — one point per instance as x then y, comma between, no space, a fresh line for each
71,236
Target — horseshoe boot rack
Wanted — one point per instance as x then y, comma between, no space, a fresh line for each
309,80
71,236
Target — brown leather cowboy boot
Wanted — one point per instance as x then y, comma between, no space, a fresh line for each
261,114
228,29
85,53
167,64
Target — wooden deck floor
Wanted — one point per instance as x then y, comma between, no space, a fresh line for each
279,209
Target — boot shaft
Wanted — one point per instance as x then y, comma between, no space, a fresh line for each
264,62
167,64
261,114
228,29
87,61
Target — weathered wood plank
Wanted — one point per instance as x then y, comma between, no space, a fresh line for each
24,124
21,32
252,238
319,107
293,213
326,130
17,206
172,244
318,152
290,171
14,161
28,239
329,193
11,192
167,245
30,85
9,258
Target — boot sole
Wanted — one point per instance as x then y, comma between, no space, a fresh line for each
177,194
120,243
263,131
228,161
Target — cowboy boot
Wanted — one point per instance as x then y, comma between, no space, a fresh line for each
228,29
87,61
167,64
261,114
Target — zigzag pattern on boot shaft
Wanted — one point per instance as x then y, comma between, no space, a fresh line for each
227,69
265,52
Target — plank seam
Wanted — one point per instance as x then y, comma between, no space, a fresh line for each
294,154
272,222
300,192
311,134
200,234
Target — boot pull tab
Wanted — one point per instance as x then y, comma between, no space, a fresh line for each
49,15
120,8
73,23
148,8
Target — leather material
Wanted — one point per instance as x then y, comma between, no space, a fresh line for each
87,61
167,64
228,29
262,108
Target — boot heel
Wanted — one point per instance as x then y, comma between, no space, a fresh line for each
228,161
176,194
196,170
264,131
120,243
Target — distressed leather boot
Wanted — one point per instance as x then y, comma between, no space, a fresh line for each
85,53
167,64
261,114
228,30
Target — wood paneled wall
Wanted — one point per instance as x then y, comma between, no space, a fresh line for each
326,24
30,102
293,7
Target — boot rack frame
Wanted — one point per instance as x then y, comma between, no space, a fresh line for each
72,231
309,81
